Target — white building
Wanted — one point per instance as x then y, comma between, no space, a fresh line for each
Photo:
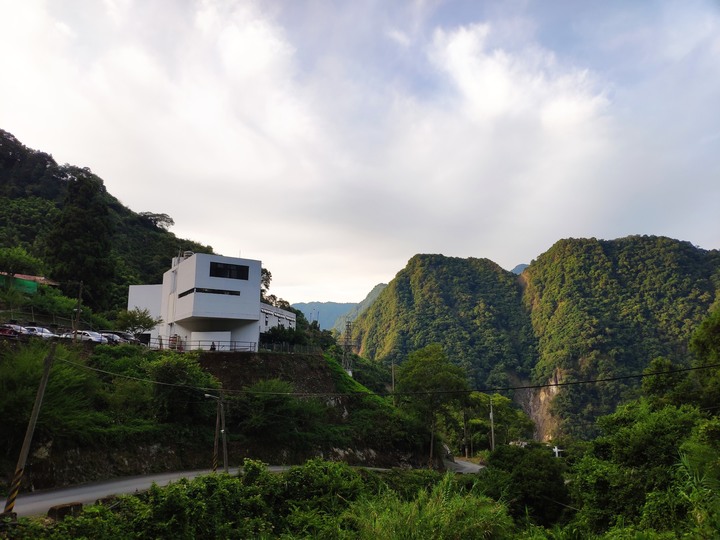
207,300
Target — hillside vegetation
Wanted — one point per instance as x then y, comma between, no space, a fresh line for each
586,309
64,216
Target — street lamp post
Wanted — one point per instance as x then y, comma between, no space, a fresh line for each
221,417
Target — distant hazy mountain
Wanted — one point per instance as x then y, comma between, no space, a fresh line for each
334,315
357,309
325,313
519,268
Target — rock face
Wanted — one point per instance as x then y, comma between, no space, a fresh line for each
51,467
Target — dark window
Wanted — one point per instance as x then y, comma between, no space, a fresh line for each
208,291
232,271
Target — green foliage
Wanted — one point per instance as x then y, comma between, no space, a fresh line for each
16,260
472,421
304,333
315,500
89,407
175,396
25,220
429,385
268,411
604,309
444,512
36,194
374,376
533,484
471,307
631,461
67,413
136,320
79,244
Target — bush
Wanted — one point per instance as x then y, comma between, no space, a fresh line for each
440,513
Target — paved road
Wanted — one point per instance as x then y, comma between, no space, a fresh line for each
462,466
38,503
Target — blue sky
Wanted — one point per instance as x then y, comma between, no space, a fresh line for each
335,140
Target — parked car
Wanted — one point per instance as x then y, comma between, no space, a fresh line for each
113,339
19,329
41,332
125,336
13,331
85,335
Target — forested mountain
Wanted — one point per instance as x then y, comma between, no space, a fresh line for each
605,309
471,306
586,309
63,215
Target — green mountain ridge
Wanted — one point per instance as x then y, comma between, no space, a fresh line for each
585,309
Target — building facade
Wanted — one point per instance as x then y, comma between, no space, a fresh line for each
209,302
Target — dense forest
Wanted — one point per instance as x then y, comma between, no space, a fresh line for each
586,309
63,216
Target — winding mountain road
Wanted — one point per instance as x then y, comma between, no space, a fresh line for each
38,503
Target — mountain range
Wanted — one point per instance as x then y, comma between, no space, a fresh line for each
335,315
585,310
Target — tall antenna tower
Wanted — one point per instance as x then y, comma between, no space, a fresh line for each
347,348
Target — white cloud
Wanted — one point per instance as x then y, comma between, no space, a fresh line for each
335,143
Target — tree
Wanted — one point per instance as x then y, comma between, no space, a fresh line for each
265,280
161,221
137,320
16,260
79,244
473,422
429,384
705,343
534,486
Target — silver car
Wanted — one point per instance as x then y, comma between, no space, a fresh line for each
85,335
41,332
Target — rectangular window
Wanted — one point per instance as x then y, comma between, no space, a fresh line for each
208,291
232,271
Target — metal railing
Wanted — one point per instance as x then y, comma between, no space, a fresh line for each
175,343
289,348
38,318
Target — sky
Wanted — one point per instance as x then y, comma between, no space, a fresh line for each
334,140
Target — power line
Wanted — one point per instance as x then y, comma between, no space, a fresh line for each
419,393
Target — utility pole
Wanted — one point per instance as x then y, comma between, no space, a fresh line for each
392,374
76,322
465,433
224,435
20,468
216,442
221,416
492,427
347,348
